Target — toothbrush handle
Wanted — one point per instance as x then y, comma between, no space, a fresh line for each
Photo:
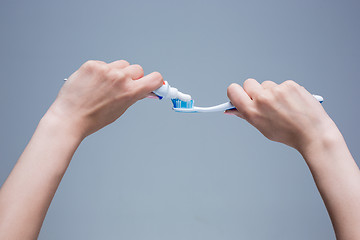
231,107
317,97
217,108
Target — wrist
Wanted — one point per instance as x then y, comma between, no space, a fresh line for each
325,141
62,124
57,139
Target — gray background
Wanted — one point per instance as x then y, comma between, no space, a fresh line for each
157,174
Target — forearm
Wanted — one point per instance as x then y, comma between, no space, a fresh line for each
338,179
289,114
94,96
30,187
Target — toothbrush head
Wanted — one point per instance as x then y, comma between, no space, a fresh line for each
183,106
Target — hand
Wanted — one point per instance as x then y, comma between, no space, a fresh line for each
285,113
99,93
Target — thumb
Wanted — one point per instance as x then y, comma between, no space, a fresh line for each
240,99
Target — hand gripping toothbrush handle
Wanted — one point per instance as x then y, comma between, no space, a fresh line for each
221,107
229,106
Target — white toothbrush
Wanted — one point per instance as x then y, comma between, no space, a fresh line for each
188,107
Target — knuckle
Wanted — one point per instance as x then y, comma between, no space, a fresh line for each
124,62
102,69
89,65
290,84
267,82
115,75
95,66
291,87
124,74
121,75
278,91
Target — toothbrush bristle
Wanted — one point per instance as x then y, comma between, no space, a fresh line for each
182,104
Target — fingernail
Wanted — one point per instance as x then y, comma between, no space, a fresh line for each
152,96
227,113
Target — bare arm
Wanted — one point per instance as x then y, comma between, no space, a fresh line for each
289,114
93,97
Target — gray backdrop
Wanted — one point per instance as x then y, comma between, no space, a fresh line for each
157,174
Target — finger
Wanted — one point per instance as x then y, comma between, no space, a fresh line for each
234,112
119,64
149,83
134,71
252,88
268,84
240,99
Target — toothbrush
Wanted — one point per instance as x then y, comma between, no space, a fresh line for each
184,103
188,107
